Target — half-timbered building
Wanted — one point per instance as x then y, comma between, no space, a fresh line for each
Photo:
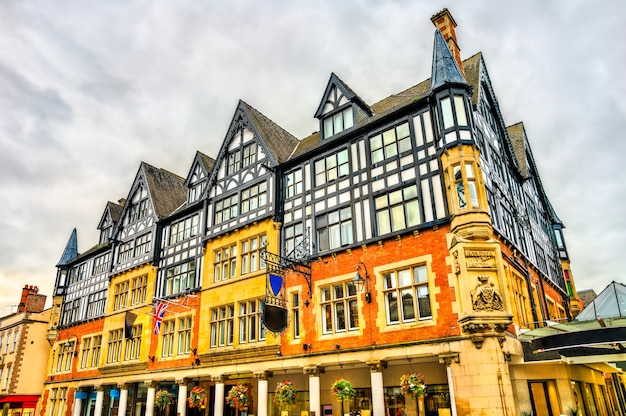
408,237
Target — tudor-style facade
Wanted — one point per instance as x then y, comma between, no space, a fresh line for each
426,194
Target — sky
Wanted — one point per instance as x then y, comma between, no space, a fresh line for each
89,89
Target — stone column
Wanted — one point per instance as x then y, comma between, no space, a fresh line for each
78,405
218,401
262,377
150,397
376,380
123,404
182,396
314,372
448,359
97,411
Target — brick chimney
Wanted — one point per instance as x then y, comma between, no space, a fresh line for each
446,24
31,301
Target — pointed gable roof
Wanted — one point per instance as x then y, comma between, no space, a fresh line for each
112,210
345,90
206,162
165,188
444,69
279,142
71,250
517,136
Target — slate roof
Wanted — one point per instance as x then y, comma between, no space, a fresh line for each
207,161
279,141
518,143
71,250
167,190
445,69
115,210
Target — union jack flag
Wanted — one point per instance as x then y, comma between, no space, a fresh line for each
159,311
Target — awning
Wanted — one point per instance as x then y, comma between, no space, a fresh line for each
29,401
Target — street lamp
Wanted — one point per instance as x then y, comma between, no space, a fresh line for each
363,284
74,344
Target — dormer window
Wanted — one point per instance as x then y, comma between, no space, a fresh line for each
338,122
195,192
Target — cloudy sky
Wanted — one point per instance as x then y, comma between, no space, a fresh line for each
89,89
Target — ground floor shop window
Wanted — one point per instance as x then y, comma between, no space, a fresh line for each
434,403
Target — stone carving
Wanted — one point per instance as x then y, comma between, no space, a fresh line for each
485,298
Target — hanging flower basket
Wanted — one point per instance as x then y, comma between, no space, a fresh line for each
412,385
196,397
238,396
343,389
285,393
163,398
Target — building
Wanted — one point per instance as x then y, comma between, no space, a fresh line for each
23,354
411,235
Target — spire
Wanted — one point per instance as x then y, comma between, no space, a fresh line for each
71,250
445,69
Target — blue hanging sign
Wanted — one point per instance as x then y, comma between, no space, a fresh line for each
276,284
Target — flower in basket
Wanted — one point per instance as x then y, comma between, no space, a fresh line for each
343,389
196,397
162,398
285,393
238,396
412,385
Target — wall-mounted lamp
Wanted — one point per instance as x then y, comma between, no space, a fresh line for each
73,345
194,350
307,347
363,284
151,357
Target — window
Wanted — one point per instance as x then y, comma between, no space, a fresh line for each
15,336
251,254
114,348
57,401
125,251
250,327
142,244
293,183
254,197
196,190
295,311
85,350
294,234
225,263
95,304
120,296
234,162
338,122
6,346
105,234
331,167
77,273
7,377
184,229
222,326
334,229
184,335
249,155
180,278
339,308
133,345
226,209
406,295
397,210
167,346
95,350
390,143
138,210
101,264
460,187
448,113
138,289
198,184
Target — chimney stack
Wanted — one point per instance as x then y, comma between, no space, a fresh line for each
30,300
446,24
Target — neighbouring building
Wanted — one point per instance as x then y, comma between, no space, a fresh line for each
23,354
408,236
